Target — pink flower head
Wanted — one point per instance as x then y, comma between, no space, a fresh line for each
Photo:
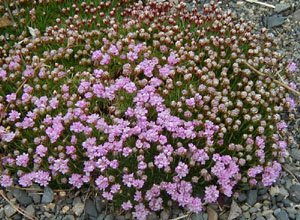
41,150
113,50
2,73
211,194
127,205
182,169
76,180
42,178
22,160
172,59
140,212
292,67
97,55
5,180
14,115
102,182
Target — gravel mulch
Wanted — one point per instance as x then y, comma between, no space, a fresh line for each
281,201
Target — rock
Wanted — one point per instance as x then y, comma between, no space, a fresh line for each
164,215
36,198
101,217
100,205
295,153
110,217
30,210
21,196
197,216
9,211
120,217
235,211
152,216
270,217
76,200
48,195
281,7
275,21
253,210
69,217
90,208
65,209
296,15
267,212
212,214
242,197
298,217
78,208
282,215
1,213
252,197
260,218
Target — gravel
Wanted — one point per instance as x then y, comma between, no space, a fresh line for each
281,202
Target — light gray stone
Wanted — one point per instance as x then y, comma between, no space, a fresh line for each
21,196
281,7
90,208
30,210
68,217
110,217
101,217
78,208
252,197
9,211
282,215
164,215
48,195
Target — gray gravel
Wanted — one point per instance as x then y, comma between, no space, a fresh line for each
280,202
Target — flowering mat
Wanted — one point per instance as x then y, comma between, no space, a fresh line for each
143,110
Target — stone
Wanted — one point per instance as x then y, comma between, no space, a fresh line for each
1,213
252,197
21,196
270,217
282,215
295,153
30,210
100,205
164,215
35,197
253,210
152,216
197,216
9,211
281,7
120,217
242,197
260,218
110,217
68,217
212,214
298,217
65,209
76,200
267,212
101,217
48,195
78,208
90,208
275,21
235,211
296,15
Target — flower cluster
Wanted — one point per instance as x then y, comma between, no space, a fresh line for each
147,103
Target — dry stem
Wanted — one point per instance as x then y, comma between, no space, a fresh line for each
18,209
275,80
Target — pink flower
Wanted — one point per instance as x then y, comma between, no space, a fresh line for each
5,180
14,115
182,169
11,97
172,59
161,160
22,160
76,180
127,205
41,177
102,182
41,150
113,50
211,194
281,125
96,55
140,212
195,205
2,73
292,67
26,179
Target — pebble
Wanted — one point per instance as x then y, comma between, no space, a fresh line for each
275,21
295,153
48,195
1,213
120,217
252,197
65,209
242,197
296,15
30,210
90,208
68,217
282,215
100,205
197,216
78,208
9,211
281,7
164,215
153,216
21,196
101,217
110,217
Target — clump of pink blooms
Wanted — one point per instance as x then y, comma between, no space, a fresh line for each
163,109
